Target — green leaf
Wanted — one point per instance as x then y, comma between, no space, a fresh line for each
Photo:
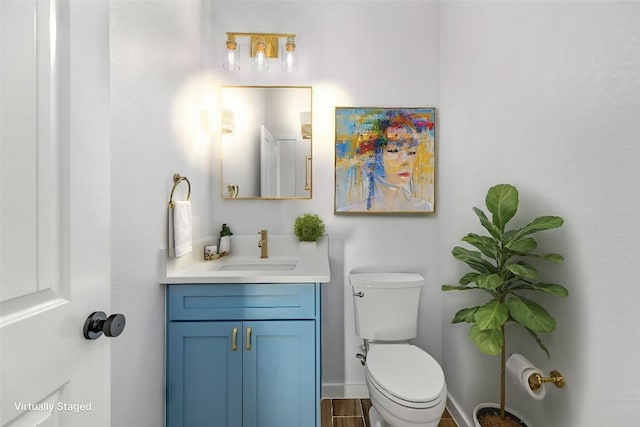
465,315
530,314
485,244
522,246
492,315
460,252
489,281
540,224
522,270
539,342
507,236
557,258
492,229
456,288
550,288
468,278
473,259
488,341
502,202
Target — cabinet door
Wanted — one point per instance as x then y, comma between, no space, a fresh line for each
279,374
204,374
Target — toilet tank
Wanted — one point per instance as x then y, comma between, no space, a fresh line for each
385,305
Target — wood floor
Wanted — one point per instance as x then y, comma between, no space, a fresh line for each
355,413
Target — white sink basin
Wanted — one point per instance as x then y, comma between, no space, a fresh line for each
258,266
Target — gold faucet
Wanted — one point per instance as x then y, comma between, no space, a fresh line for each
263,244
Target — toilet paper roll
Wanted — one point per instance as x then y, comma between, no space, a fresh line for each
520,368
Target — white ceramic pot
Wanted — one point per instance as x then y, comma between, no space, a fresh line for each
495,405
308,245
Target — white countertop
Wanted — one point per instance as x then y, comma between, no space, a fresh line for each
299,264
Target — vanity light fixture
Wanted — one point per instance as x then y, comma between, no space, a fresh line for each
262,47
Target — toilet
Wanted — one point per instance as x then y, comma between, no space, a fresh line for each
406,385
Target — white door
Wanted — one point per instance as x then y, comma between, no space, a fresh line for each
54,211
269,164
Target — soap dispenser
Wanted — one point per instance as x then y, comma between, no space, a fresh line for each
225,239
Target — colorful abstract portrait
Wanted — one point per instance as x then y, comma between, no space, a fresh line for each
385,160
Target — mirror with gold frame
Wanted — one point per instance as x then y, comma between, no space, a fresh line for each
266,142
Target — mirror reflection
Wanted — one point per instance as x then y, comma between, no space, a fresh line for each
266,142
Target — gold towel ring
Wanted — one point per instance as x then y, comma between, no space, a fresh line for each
177,178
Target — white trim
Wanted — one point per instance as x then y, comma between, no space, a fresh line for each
460,417
341,390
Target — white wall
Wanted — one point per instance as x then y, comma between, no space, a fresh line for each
156,69
157,94
349,53
544,96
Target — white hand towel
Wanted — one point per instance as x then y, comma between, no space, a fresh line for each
180,229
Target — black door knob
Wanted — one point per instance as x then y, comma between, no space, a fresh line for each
98,323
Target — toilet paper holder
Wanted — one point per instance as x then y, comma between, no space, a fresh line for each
536,380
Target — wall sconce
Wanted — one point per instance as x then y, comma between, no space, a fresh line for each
227,121
305,124
263,46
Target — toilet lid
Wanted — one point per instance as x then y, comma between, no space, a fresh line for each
405,371
386,280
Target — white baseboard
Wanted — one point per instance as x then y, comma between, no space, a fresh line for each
346,391
461,418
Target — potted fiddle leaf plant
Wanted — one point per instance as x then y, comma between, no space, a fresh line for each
308,228
500,269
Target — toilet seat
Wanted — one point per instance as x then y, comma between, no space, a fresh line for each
406,375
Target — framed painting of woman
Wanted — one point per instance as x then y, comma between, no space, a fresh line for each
385,160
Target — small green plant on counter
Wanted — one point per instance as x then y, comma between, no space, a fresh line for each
308,227
500,270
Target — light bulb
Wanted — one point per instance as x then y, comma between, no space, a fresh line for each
259,61
232,60
289,58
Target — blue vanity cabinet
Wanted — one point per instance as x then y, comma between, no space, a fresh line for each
243,355
279,374
204,375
